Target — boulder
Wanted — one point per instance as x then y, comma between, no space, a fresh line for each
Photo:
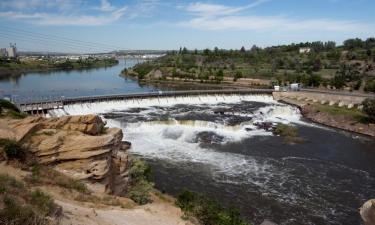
367,212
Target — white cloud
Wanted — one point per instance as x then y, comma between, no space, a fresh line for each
58,12
105,6
261,23
222,17
207,10
56,19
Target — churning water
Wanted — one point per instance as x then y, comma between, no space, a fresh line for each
214,144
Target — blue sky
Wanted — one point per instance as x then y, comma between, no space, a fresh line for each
168,24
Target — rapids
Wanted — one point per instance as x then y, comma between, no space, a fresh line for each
227,156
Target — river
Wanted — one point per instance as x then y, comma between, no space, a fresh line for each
323,180
72,83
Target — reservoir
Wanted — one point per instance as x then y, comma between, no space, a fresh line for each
71,83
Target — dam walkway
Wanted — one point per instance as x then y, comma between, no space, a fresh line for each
42,107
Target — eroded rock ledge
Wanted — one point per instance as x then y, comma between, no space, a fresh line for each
79,146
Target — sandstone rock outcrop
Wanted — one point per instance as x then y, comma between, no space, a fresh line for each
78,146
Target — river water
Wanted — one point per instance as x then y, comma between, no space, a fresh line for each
73,83
323,180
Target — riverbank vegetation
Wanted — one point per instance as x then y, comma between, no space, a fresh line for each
208,211
9,109
314,64
20,205
14,67
141,185
288,132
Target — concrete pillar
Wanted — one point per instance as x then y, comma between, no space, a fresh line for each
341,104
323,102
350,105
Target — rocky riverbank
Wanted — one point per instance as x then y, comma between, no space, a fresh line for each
81,149
345,121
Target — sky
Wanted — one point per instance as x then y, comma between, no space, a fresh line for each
101,25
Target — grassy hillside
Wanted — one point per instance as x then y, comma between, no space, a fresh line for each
351,65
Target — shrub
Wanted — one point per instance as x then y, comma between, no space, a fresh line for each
140,174
5,104
140,192
12,149
290,133
22,207
45,175
208,211
285,130
43,202
369,107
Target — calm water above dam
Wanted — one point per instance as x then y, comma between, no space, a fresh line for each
54,84
321,181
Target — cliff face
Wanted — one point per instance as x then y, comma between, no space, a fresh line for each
78,146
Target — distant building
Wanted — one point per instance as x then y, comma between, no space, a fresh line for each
3,52
10,52
304,50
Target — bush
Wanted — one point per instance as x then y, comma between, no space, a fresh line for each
140,192
208,211
290,133
22,207
8,105
369,107
43,202
12,149
48,176
140,188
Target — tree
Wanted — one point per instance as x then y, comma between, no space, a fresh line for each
219,76
369,107
206,51
354,43
184,50
237,76
338,81
243,50
216,50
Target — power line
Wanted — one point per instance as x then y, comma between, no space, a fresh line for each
77,44
46,43
61,38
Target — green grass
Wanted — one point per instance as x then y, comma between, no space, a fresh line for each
20,206
335,110
44,175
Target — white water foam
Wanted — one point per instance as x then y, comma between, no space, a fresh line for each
110,106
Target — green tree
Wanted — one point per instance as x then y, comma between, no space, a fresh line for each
369,107
237,76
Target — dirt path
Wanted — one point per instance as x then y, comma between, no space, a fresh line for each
156,214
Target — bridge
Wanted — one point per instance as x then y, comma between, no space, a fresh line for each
42,107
